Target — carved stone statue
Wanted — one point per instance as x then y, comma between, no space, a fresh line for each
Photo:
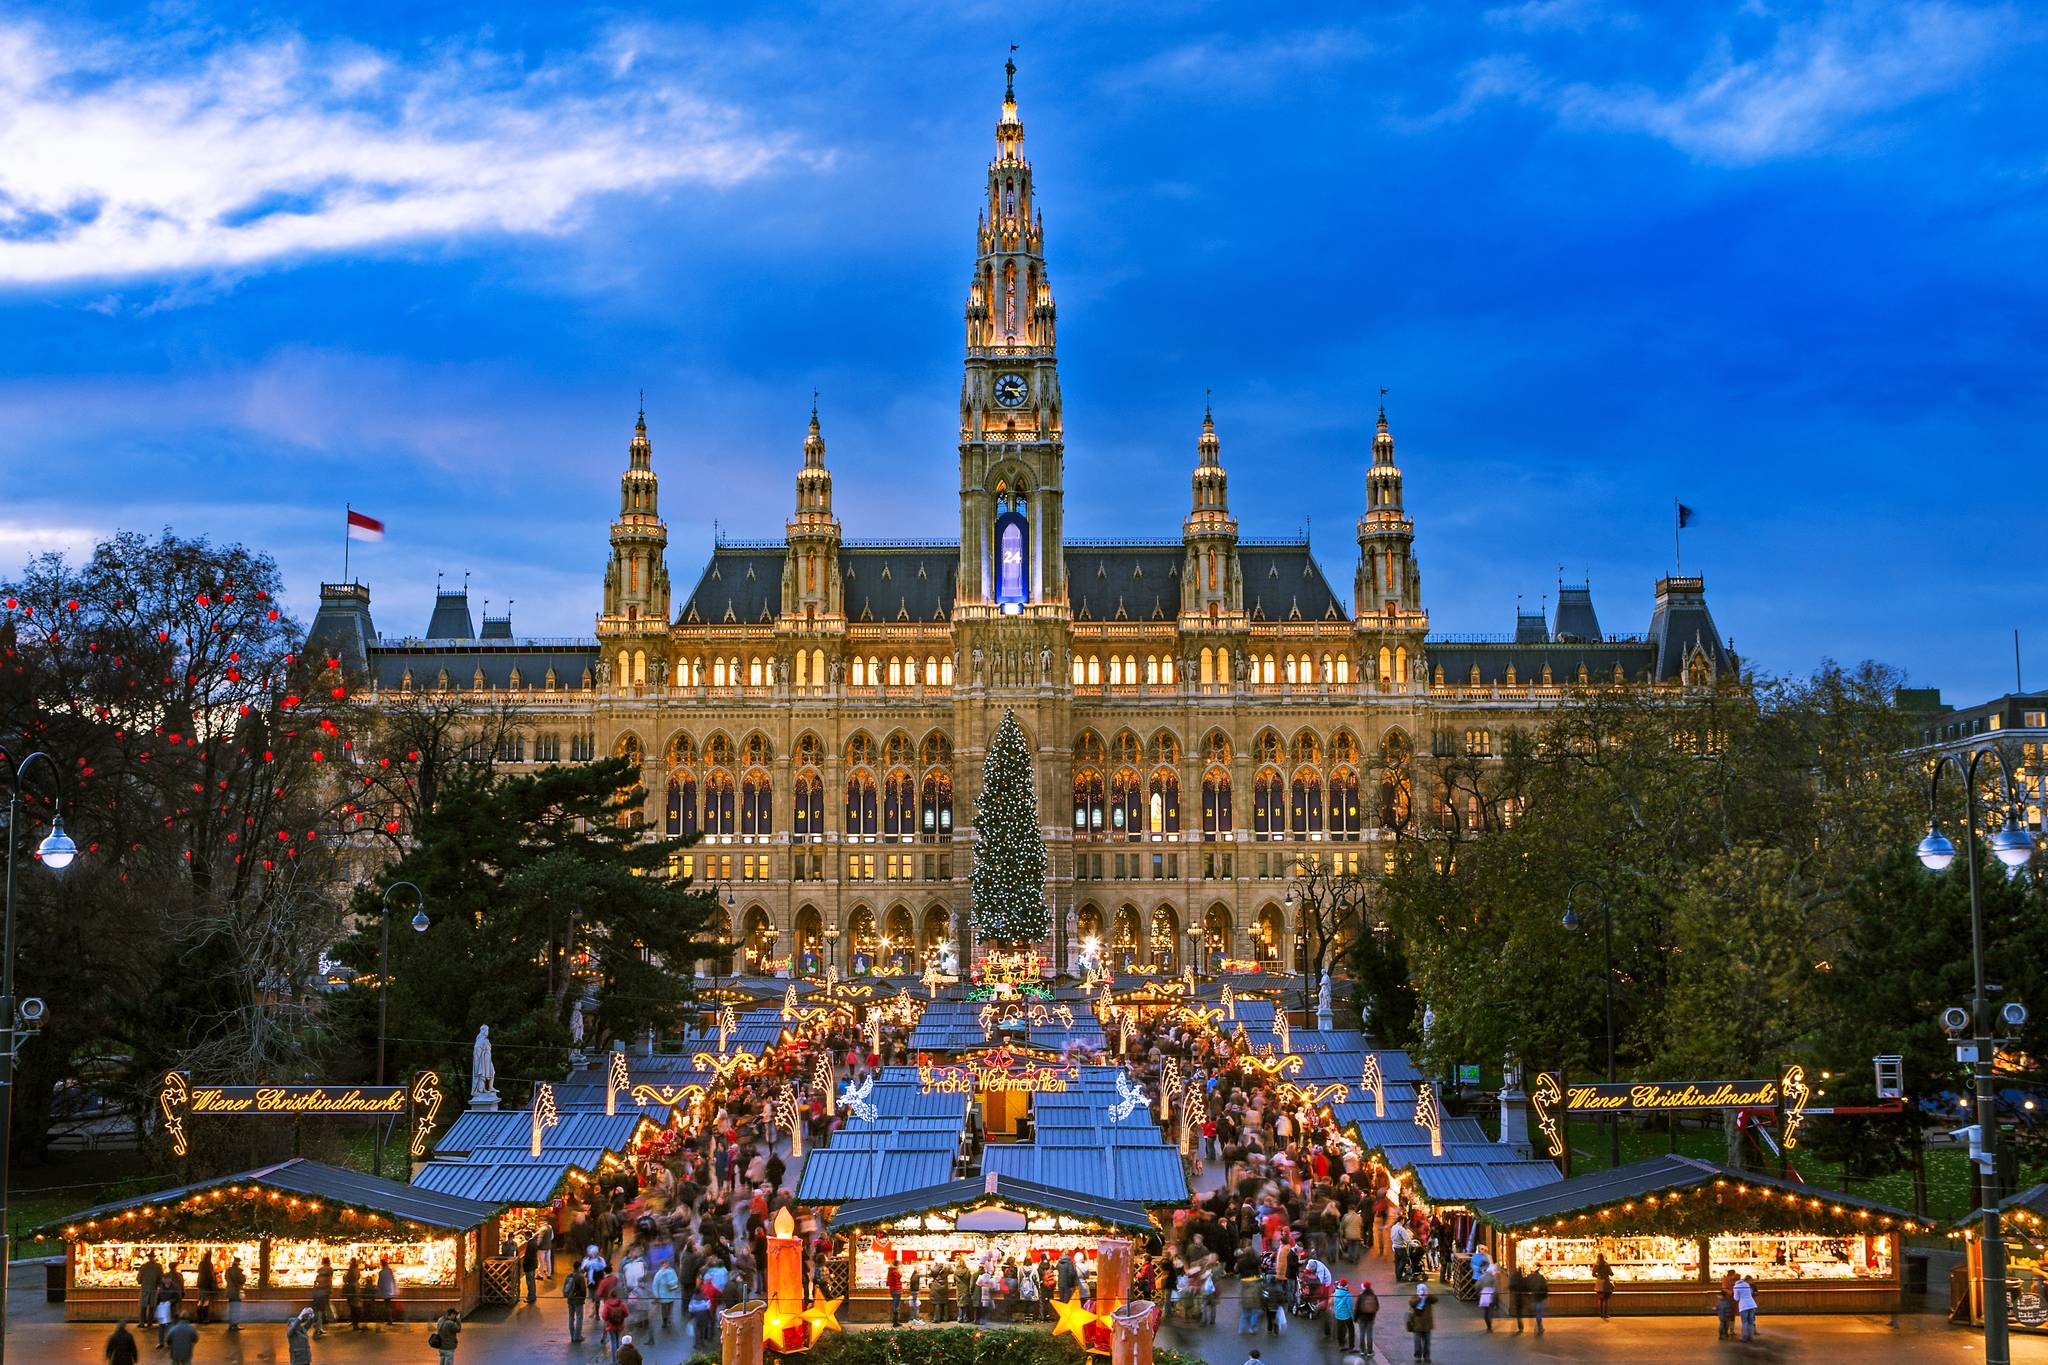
1323,995
838,669
483,1076
1045,663
576,1026
1428,1024
978,661
1511,1073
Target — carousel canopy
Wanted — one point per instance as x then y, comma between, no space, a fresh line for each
1642,1181
314,1180
993,1189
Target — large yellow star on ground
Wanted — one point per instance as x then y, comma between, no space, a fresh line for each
823,1316
1074,1318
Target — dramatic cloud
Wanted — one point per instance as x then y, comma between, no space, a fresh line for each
1818,79
124,162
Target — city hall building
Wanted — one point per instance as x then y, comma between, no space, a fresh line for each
1205,709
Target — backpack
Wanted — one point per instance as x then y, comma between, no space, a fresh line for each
434,1340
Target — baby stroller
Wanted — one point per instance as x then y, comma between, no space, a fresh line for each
1311,1297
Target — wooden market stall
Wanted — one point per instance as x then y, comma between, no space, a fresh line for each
280,1221
971,1219
1671,1226
2024,1219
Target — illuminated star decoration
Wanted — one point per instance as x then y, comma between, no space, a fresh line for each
725,1068
1229,1002
1548,1101
789,1005
1075,1319
1169,1082
821,1080
171,1100
1428,1116
545,1115
728,1023
790,1115
1281,1029
426,1100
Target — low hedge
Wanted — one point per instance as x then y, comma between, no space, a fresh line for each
954,1346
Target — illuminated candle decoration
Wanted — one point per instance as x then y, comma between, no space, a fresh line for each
1372,1080
1428,1116
616,1080
545,1115
1188,980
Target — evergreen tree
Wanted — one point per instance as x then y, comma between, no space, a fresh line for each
1009,849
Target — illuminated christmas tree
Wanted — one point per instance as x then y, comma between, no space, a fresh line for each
1009,850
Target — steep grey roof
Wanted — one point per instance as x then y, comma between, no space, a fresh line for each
451,619
496,628
1682,622
1636,658
1530,628
342,627
426,660
1576,619
742,584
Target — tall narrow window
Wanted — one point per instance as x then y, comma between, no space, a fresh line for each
1013,574
1010,299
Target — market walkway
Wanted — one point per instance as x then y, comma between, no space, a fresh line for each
496,1337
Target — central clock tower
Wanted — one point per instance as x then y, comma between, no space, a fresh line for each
1011,441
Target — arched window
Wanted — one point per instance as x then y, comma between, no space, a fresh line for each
1094,671
1401,665
1306,806
1307,748
1266,747
1216,804
897,750
1166,669
935,806
1116,671
818,674
895,671
1208,667
757,805
754,674
860,806
860,752
1223,675
1165,801
810,751
1088,808
807,819
1288,674
1396,785
1080,671
718,804
860,671
1013,567
1126,805
1343,674
899,805
1151,670
1344,812
935,752
1269,805
1386,667
803,669
758,751
679,812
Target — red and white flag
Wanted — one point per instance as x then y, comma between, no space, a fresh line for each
361,527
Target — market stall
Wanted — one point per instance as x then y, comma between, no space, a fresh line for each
991,1216
1672,1226
2024,1219
280,1221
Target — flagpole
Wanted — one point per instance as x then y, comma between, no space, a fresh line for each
345,510
1677,555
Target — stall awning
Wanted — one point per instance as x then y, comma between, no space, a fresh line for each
1129,1174
1661,1175
527,1184
314,1180
993,1189
2029,1208
511,1130
834,1175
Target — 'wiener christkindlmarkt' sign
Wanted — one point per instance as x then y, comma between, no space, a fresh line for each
263,1101
1649,1097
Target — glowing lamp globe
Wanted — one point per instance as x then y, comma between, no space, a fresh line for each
57,850
420,921
1936,852
2012,845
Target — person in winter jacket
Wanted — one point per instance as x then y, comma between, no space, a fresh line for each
629,1354
447,1331
121,1348
1422,1320
298,1335
575,1292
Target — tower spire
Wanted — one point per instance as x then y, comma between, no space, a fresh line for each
810,570
1212,584
636,588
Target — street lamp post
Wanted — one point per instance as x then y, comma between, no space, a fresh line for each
2013,846
56,852
1571,921
419,924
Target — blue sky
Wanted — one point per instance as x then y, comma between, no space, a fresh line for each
1785,262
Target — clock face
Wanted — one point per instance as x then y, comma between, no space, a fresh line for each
1011,390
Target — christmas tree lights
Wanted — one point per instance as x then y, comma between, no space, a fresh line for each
1008,880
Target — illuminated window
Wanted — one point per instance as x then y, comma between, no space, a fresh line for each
1013,576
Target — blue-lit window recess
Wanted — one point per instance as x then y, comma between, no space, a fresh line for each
1013,569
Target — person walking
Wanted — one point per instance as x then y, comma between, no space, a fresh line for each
1518,1293
1488,1288
1603,1282
1341,1310
206,1286
180,1338
613,1317
1250,1302
447,1332
575,1292
668,1292
1745,1307
387,1290
1422,1320
629,1354
236,1278
170,1302
529,1264
894,1283
298,1344
323,1297
1538,1293
120,1348
546,1248
352,1293
149,1276
1365,1312
1724,1304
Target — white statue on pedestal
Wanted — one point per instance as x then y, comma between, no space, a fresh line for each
483,1076
1324,1018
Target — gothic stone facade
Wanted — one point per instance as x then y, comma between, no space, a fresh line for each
1205,711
